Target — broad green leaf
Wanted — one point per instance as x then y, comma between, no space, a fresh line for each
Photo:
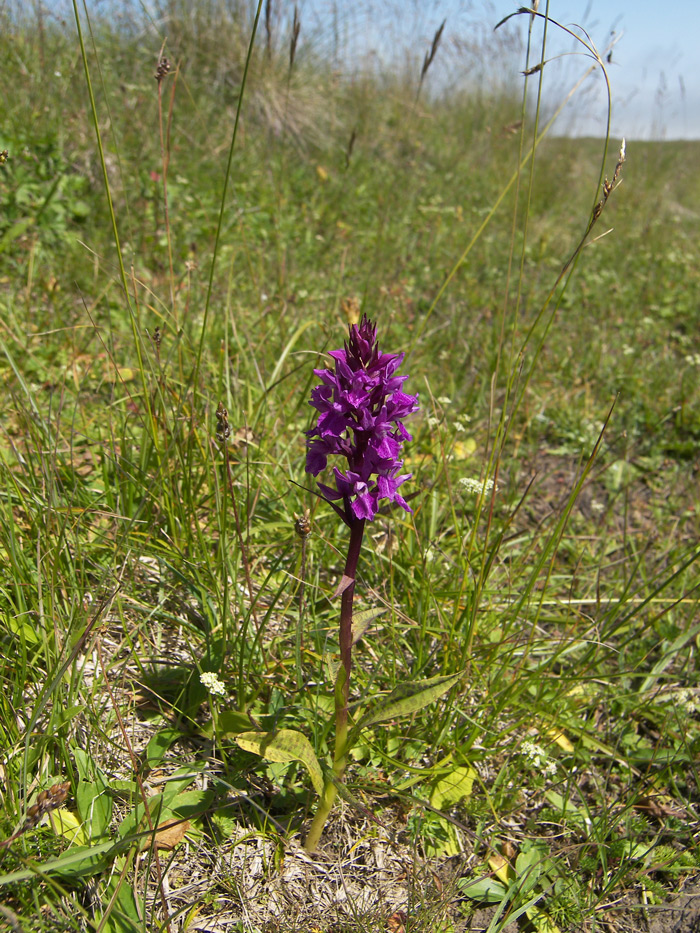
489,890
192,803
528,867
159,744
125,911
77,861
284,745
18,228
453,787
440,838
541,921
232,722
92,796
161,805
29,633
565,806
408,698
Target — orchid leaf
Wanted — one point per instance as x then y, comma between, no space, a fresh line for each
284,745
451,789
361,621
407,699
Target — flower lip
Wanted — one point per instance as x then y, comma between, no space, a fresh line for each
361,406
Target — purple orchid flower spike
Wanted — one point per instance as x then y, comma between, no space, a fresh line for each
361,409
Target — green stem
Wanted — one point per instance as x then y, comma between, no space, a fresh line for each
342,687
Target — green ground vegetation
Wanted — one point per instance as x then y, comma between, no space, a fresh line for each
139,550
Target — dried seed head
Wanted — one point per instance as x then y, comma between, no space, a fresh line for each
296,26
430,55
4,156
46,801
350,146
302,524
223,429
157,337
608,186
163,69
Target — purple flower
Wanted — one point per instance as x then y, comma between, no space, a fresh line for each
361,409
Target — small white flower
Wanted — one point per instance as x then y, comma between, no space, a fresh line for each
430,555
433,421
476,486
537,757
534,753
459,426
443,400
211,681
693,359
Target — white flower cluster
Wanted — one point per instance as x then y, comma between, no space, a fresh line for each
211,681
683,698
537,756
474,486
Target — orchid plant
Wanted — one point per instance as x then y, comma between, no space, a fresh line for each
361,408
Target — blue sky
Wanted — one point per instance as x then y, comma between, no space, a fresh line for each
655,69
654,73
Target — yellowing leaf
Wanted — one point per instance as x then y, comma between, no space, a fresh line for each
453,787
121,374
284,745
501,868
463,450
361,621
67,824
561,740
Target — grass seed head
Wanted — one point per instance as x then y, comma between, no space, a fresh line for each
163,69
223,428
302,524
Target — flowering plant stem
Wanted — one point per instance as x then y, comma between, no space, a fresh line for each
342,685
